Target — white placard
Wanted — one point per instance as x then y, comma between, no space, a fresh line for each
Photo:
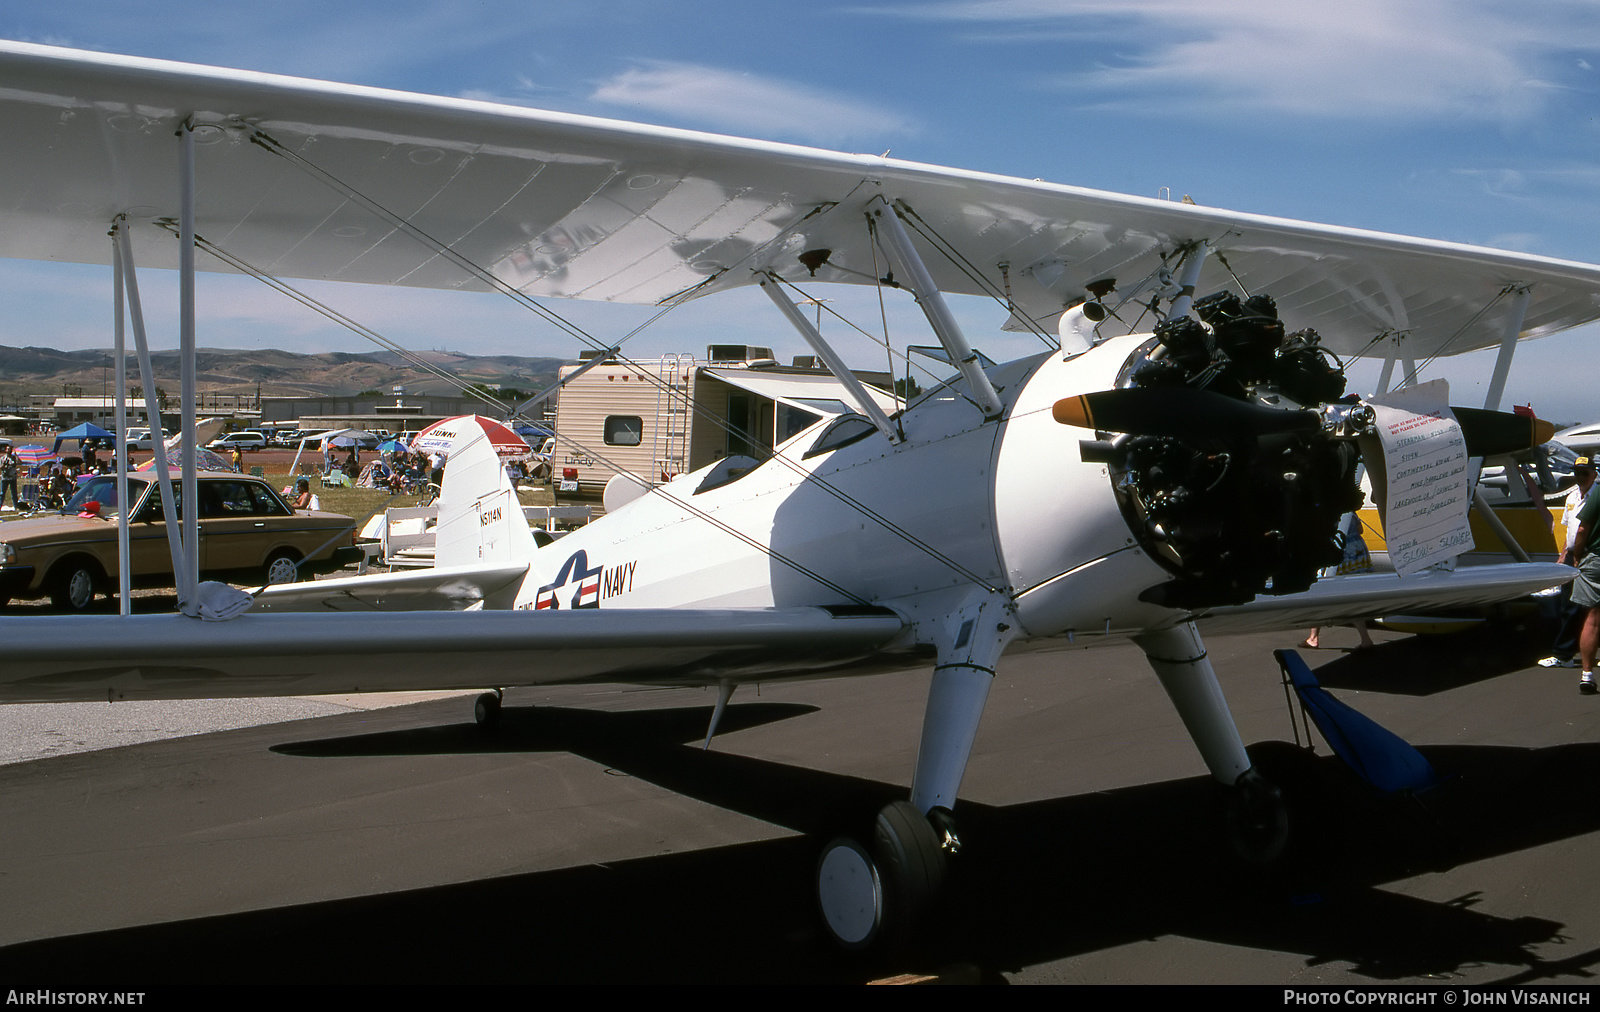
1425,464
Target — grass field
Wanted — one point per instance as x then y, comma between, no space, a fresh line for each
360,504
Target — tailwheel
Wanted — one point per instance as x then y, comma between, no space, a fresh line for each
1258,822
883,896
487,708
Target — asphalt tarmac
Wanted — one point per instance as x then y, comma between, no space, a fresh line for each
590,839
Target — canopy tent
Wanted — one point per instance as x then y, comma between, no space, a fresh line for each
327,437
88,430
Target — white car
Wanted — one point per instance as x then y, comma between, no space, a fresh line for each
139,439
242,440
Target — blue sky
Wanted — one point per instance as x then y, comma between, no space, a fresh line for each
1466,120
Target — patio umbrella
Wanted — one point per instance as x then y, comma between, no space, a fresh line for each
440,437
34,455
391,446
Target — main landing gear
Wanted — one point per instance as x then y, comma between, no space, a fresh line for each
881,895
1258,823
884,893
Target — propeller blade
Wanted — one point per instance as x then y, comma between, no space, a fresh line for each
1177,411
1490,433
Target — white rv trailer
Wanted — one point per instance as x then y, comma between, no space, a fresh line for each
661,418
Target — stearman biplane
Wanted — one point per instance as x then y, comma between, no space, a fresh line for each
1161,460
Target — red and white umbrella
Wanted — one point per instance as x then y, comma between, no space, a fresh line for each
440,437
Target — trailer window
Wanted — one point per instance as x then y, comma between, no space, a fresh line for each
624,430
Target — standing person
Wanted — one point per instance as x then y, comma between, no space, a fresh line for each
238,460
1563,651
8,477
1586,588
352,465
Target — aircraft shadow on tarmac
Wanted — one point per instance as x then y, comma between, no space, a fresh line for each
1042,880
1412,666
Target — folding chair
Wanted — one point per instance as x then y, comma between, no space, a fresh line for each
1376,755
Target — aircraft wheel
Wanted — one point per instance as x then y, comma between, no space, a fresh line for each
487,709
912,864
884,896
1258,822
850,894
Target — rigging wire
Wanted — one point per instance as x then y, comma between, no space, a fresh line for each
268,143
415,360
967,267
1507,290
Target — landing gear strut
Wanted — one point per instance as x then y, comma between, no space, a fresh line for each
1258,823
885,894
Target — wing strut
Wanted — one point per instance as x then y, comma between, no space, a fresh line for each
938,314
188,589
865,404
120,343
1508,346
1193,260
191,483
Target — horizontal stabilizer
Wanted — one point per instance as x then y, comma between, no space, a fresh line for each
452,588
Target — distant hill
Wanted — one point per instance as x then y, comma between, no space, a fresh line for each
26,371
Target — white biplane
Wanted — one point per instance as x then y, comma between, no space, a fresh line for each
1120,484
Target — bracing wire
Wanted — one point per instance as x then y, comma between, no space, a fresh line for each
400,222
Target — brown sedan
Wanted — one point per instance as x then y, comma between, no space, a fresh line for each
248,534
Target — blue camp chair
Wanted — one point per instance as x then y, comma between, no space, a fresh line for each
1376,754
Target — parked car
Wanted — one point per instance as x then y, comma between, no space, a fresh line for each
242,440
248,535
139,439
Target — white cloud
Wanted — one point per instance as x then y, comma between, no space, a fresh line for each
1373,59
747,103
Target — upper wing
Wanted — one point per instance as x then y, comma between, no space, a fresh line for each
1368,595
73,658
578,207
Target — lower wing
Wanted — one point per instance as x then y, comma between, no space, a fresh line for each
1347,598
75,658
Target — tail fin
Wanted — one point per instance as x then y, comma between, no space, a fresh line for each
480,518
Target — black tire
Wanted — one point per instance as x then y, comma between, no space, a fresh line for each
73,582
906,851
281,568
486,710
1258,820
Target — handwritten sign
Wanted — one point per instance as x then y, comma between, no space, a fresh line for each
1425,461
